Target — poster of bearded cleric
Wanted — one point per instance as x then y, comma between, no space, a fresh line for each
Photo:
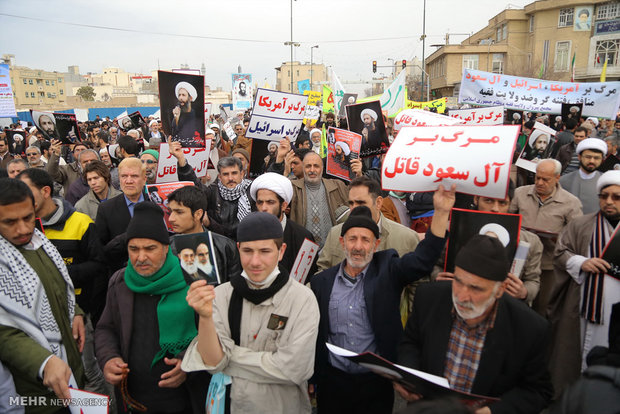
342,147
63,127
539,146
181,99
366,119
197,257
242,91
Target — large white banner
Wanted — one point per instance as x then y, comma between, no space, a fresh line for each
475,158
599,99
419,117
7,102
492,115
167,165
276,115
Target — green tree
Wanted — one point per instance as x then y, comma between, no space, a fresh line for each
87,93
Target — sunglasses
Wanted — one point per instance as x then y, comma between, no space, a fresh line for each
604,196
149,162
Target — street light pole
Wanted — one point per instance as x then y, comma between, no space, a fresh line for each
312,66
292,46
423,44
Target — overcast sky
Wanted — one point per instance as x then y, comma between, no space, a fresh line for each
262,26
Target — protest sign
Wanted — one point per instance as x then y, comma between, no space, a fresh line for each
304,260
492,115
347,99
208,107
393,98
158,194
63,127
366,119
136,119
243,91
260,155
475,158
610,163
16,138
181,99
7,101
535,95
167,165
513,117
571,110
86,402
328,100
342,147
303,86
439,104
418,117
196,255
276,115
538,147
230,132
465,224
312,107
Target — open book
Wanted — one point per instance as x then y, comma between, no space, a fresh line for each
429,386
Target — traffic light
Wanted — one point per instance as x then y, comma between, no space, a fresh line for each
374,66
404,63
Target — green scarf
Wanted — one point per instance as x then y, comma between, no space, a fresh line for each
176,320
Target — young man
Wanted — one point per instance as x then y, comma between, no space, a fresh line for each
97,175
270,355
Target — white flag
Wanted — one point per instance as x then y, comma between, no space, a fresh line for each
338,90
393,98
121,115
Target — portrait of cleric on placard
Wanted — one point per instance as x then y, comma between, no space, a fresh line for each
63,127
181,98
196,257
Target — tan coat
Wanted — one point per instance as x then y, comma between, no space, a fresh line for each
271,368
551,215
62,174
89,204
337,195
393,236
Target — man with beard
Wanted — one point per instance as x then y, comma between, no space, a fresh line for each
482,340
184,123
187,258
204,262
359,303
150,158
64,175
46,123
585,288
582,183
567,154
538,145
370,133
242,89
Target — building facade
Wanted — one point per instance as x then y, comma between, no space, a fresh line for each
316,72
539,41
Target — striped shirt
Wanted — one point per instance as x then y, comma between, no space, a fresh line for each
464,350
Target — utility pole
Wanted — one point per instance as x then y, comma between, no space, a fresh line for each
423,38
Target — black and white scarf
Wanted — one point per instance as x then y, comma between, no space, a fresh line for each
238,193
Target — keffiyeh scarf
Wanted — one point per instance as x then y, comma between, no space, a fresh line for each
238,193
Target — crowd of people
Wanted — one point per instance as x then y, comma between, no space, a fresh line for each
95,294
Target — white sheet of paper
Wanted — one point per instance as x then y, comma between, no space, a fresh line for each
84,402
303,261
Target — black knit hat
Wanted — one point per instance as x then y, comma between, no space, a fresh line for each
148,223
360,216
259,226
484,256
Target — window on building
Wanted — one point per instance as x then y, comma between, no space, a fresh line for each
25,81
42,94
470,61
288,73
30,81
607,11
47,82
39,81
61,92
59,80
27,94
566,17
53,83
49,95
505,30
562,56
607,50
32,94
297,72
498,34
531,24
498,63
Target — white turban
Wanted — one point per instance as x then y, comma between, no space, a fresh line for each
272,144
595,144
18,137
33,130
593,120
214,126
36,115
574,109
611,177
516,116
370,112
152,122
188,87
501,233
345,148
275,182
315,130
209,131
535,136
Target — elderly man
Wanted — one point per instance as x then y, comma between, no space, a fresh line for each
586,289
546,208
79,187
114,214
15,166
65,175
97,176
315,199
150,159
272,193
260,328
359,304
228,199
483,341
582,183
146,324
41,327
33,155
241,142
184,122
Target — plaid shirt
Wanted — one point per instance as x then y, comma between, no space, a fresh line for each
464,350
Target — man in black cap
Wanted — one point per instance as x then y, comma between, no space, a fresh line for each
482,340
270,355
147,323
359,302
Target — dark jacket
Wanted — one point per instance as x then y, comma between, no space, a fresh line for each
112,220
223,213
77,190
113,337
513,364
385,279
73,234
565,154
